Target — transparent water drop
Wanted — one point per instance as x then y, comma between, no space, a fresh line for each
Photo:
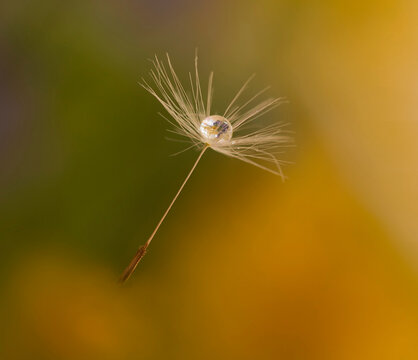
216,128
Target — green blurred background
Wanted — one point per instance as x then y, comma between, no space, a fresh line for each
323,266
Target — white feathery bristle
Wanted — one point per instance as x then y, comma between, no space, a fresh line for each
224,134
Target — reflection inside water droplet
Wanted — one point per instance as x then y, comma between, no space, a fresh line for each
215,129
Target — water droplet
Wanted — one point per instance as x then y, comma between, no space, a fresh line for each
215,129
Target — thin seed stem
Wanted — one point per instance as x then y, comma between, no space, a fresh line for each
143,249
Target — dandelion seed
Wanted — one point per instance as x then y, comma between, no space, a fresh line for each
225,134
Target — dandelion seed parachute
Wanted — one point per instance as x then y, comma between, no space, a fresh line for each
226,134
223,133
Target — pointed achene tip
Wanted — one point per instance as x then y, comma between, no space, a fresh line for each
133,264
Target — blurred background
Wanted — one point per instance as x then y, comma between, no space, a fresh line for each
323,266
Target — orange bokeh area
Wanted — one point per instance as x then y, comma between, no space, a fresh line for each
306,274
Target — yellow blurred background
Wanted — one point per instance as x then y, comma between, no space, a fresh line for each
323,266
